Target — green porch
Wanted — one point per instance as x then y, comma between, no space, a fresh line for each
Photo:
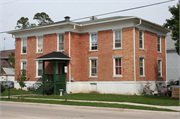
56,77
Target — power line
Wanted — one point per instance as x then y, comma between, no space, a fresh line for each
124,10
9,2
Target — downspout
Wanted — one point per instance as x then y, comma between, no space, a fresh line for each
70,56
135,88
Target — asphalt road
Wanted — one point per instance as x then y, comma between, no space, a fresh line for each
46,111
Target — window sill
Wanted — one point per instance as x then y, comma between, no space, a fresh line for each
117,48
143,76
160,52
142,49
37,77
93,76
117,76
23,54
39,52
60,51
160,77
93,50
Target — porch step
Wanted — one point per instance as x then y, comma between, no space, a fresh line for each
45,87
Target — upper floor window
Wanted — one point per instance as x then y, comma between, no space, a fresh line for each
24,46
141,39
93,41
159,43
39,44
61,42
118,39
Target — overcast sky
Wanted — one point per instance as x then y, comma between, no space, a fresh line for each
13,10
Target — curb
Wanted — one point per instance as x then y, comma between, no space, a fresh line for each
94,108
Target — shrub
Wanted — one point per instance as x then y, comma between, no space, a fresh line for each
2,88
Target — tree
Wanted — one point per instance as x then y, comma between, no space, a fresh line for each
22,23
22,77
42,18
173,24
12,59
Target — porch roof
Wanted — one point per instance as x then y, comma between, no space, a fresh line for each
54,56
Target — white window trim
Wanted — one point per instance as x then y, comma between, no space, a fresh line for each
160,44
114,40
114,71
21,62
92,58
22,45
37,70
159,59
142,40
143,57
58,42
90,43
37,38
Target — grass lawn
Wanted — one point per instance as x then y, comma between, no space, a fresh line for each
144,99
15,92
88,104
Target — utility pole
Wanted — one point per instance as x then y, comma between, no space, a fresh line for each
4,43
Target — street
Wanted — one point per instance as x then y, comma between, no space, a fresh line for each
18,110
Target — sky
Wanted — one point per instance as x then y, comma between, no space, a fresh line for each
12,10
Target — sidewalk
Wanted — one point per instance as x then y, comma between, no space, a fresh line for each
176,108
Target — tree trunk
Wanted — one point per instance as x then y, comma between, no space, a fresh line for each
21,93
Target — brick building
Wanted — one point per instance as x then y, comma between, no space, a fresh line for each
109,55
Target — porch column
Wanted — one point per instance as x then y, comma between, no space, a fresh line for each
54,75
43,72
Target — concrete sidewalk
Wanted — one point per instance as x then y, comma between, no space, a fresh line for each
176,108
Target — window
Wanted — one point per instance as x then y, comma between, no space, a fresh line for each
93,41
141,39
93,66
159,43
117,62
159,68
61,42
39,66
117,39
141,66
39,44
23,66
24,46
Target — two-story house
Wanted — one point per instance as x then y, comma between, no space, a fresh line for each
109,55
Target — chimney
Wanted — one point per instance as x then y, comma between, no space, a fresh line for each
93,18
67,18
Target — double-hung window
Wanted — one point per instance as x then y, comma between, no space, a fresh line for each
93,66
141,65
23,66
39,44
159,68
24,46
118,39
61,42
141,39
93,41
159,43
39,67
117,62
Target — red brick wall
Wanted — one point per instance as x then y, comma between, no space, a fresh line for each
151,57
80,54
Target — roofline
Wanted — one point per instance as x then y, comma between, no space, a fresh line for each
37,59
81,24
4,57
39,27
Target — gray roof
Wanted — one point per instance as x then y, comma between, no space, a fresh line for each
170,42
9,71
